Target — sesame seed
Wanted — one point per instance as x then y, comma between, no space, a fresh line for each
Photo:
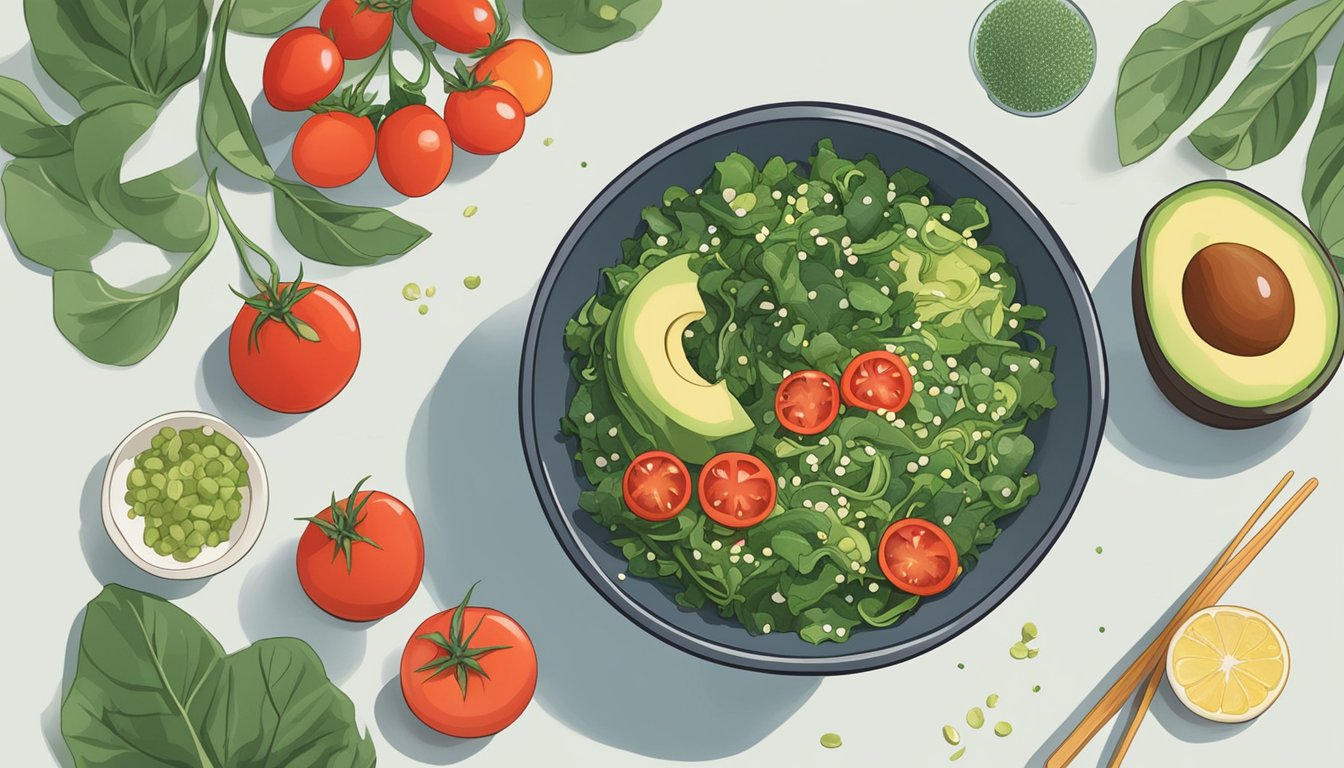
923,199
651,556
821,241
870,450
840,632
839,579
783,311
953,376
947,519
748,558
797,481
979,407
767,552
1007,492
825,627
1012,323
711,229
844,303
839,471
662,240
621,576
776,194
986,371
729,195
742,360
695,553
839,273
1012,367
994,276
767,305
689,333
704,247
733,558
600,462
716,545
971,242
933,391
919,386
765,629
937,420
945,216
900,423
777,598
867,199
612,432
740,212
853,259
912,467
802,256
828,197
910,232
923,461
844,461
872,587
946,474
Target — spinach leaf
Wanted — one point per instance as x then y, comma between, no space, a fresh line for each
335,233
26,129
106,53
114,326
1174,65
46,214
267,17
154,689
1323,187
584,26
1268,107
224,123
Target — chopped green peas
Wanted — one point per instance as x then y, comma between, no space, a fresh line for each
957,755
472,282
1002,728
975,717
951,736
992,700
1028,632
830,740
1018,651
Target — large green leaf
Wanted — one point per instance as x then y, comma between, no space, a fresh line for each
1269,105
1174,65
267,17
1323,187
225,124
583,26
335,233
26,129
105,52
47,216
154,689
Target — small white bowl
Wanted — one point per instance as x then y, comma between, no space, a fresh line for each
128,534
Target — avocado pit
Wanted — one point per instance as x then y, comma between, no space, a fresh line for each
1238,299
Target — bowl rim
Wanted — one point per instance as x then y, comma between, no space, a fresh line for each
258,500
569,537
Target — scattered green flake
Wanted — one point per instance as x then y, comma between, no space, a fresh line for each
1002,728
1101,629
830,740
472,282
410,291
583,164
992,700
424,309
548,141
430,291
1031,652
470,211
951,736
957,755
608,12
1018,651
1035,689
1098,550
1028,632
960,665
975,717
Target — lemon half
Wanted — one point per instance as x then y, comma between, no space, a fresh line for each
1227,663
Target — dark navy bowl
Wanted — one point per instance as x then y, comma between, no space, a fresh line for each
1066,439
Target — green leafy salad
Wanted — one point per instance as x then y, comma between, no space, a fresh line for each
808,271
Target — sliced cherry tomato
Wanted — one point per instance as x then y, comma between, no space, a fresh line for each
876,380
918,557
415,152
484,120
359,30
464,26
807,402
302,68
656,486
523,69
332,149
737,490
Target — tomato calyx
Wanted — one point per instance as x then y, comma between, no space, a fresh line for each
458,655
463,79
343,526
500,35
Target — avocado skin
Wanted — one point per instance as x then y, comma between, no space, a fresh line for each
1180,393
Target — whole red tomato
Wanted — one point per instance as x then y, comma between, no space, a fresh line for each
522,68
359,31
333,148
484,120
464,26
302,68
361,558
415,152
295,347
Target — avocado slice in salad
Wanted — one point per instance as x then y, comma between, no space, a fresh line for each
688,416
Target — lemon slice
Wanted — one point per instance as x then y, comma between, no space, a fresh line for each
1227,663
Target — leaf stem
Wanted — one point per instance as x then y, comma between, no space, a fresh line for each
241,242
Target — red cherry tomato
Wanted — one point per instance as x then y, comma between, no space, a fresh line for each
358,31
484,121
807,402
522,68
382,566
333,148
415,152
737,490
302,68
918,557
284,372
464,26
876,380
656,486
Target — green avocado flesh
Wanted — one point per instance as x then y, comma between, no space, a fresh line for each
1217,382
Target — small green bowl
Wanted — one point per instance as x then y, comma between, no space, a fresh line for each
979,76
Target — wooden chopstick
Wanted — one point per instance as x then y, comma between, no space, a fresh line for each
1208,592
1155,675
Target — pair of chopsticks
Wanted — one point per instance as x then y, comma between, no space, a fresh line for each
1225,571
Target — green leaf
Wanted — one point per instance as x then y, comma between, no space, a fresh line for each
335,233
154,689
170,217
106,53
1174,65
268,17
1323,187
47,216
583,26
114,326
224,123
26,129
1267,108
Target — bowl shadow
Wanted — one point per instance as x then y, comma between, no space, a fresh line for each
470,484
1144,425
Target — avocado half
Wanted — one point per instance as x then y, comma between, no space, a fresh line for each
1209,384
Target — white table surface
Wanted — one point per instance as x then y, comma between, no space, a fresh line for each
431,415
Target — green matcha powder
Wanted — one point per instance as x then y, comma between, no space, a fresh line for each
1034,56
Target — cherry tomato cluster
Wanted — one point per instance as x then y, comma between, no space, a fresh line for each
485,111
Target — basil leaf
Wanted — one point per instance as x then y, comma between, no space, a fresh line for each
105,53
1267,108
114,326
1174,65
47,216
335,233
581,26
171,218
153,688
268,17
224,123
26,129
1323,187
